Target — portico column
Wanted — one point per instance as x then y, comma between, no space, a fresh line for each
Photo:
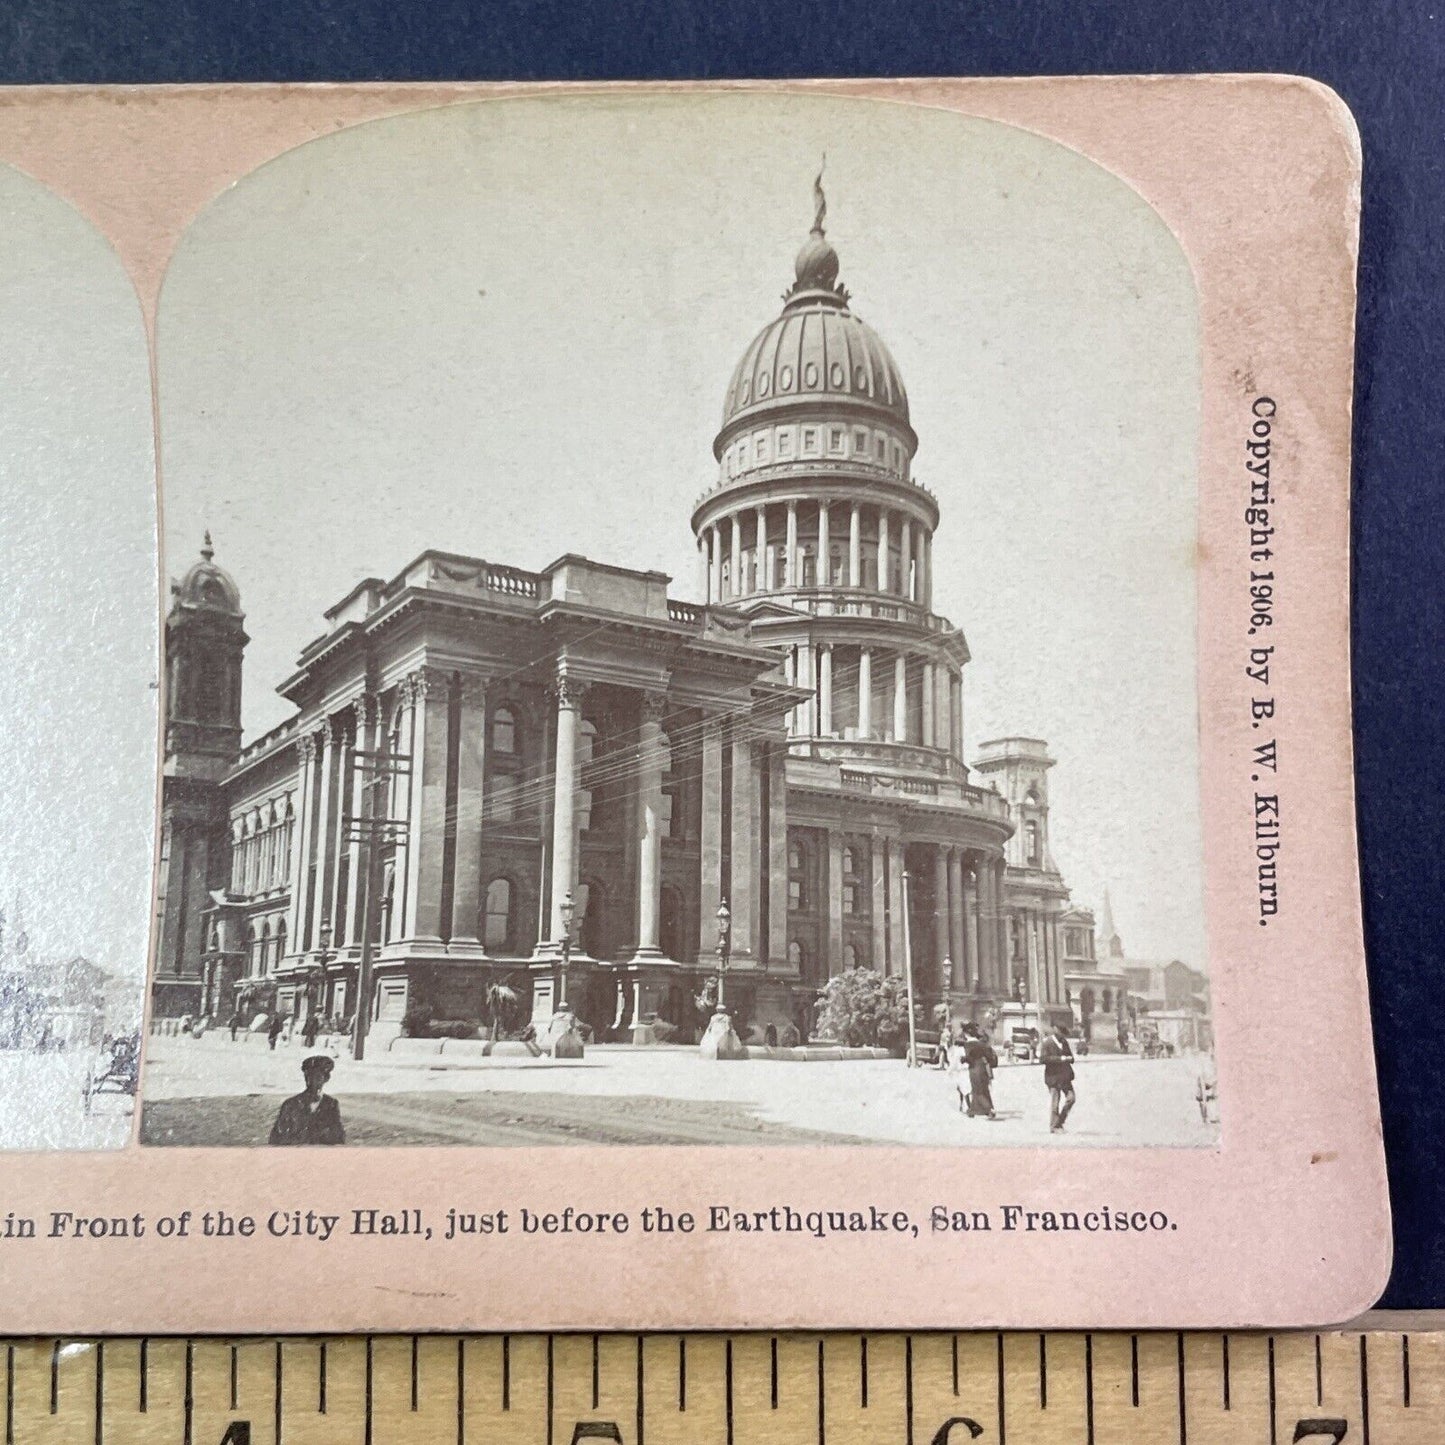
367,716
835,903
790,555
941,945
467,856
928,715
761,580
807,714
895,907
1001,921
824,570
776,754
865,693
649,848
883,567
972,932
905,556
426,831
900,699
301,839
825,690
737,558
316,892
957,942
878,878
742,895
564,796
710,851
855,547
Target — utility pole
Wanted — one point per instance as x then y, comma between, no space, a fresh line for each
371,832
908,966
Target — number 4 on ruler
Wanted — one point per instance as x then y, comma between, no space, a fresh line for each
1333,1430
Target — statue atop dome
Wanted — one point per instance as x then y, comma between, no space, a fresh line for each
816,267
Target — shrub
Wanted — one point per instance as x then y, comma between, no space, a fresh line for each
453,1029
862,1009
416,1022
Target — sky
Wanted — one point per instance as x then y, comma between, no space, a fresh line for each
78,609
505,329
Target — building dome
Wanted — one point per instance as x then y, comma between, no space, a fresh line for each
207,587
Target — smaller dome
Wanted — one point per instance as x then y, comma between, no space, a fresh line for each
207,586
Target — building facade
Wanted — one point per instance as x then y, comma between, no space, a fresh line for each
511,744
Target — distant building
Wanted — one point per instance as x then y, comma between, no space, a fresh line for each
57,1003
794,745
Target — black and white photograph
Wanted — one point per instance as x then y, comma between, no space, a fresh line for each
681,630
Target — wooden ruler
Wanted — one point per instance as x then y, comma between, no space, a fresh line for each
836,1389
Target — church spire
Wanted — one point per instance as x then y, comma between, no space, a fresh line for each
1109,935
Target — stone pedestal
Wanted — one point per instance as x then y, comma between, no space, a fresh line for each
720,1041
562,1040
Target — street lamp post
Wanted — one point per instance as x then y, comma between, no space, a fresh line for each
563,1039
724,950
324,955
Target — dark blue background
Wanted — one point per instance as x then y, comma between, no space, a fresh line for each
1383,58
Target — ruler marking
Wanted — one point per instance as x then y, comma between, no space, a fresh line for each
1002,1431
551,1390
908,1388
278,1393
597,1369
99,1391
1273,1407
1043,1372
1405,1369
863,1371
54,1376
461,1391
822,1411
189,1407
1224,1362
1089,1386
414,1374
1134,1366
506,1372
1364,1390
641,1407
141,1401
9,1395
681,1373
367,1400
728,1386
774,1353
955,1366
1319,1374
1183,1417
321,1379
235,1375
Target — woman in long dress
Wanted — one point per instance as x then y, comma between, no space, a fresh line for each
982,1061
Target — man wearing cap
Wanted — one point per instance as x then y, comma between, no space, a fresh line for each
312,1116
1058,1061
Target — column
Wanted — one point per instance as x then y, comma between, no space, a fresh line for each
761,580
715,586
318,895
865,693
928,714
825,690
1001,923
649,843
883,567
905,556
368,714
710,851
895,907
790,676
807,678
955,688
776,754
973,936
790,555
855,547
426,820
301,839
743,884
925,568
941,945
835,904
824,569
962,973
341,813
704,571
564,795
471,770
737,558
900,699
878,881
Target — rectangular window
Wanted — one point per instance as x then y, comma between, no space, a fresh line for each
835,439
664,817
760,446
785,444
810,439
850,897
795,894
860,443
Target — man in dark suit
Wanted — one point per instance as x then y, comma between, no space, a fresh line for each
1058,1061
312,1116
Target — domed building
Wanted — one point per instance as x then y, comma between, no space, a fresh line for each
566,781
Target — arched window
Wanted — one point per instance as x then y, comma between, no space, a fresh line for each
504,731
850,956
280,952
850,882
795,954
497,926
1031,844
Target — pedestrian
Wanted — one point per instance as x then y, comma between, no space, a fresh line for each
235,1023
982,1061
273,1029
1058,1061
312,1116
310,1029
